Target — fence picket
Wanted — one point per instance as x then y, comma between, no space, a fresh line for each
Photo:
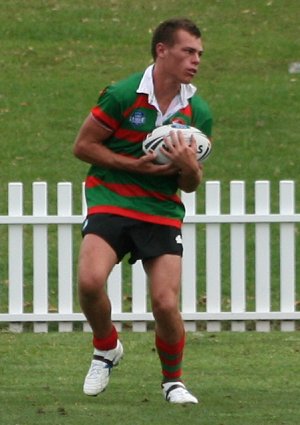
237,254
139,295
65,255
287,253
189,270
15,254
262,254
40,255
115,293
213,254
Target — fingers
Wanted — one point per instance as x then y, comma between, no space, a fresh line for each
176,142
171,141
147,165
149,156
193,143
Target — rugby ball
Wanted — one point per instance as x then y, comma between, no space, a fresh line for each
155,140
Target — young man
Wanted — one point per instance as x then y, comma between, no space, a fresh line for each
132,202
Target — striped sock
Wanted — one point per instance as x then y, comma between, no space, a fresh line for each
108,343
171,358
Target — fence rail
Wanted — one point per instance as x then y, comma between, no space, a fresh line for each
246,291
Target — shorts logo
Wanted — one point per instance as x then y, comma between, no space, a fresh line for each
137,118
178,239
85,224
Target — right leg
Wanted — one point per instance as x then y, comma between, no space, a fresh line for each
96,261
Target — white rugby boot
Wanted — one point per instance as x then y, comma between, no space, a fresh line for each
175,392
97,377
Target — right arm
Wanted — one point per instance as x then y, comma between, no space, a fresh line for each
89,147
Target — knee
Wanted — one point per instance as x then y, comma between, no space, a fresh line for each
164,306
90,285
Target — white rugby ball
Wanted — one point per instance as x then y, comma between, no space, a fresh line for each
155,140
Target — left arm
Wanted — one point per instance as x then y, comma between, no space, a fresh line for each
189,180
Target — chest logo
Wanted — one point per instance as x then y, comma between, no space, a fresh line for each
137,118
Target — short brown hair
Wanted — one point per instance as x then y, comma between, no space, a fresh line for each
165,32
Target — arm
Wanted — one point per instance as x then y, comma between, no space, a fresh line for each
89,147
189,180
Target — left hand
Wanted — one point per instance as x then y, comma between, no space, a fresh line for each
181,153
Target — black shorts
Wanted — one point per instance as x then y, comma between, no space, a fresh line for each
141,239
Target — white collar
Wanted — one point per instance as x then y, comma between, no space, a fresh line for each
146,86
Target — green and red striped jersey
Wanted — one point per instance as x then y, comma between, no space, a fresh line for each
131,117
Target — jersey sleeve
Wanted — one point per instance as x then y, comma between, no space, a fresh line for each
108,109
202,116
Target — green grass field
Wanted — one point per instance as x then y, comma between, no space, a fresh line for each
240,379
56,55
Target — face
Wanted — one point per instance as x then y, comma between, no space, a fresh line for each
181,61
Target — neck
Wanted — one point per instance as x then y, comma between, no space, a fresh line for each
165,89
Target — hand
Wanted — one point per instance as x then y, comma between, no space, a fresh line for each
181,153
146,165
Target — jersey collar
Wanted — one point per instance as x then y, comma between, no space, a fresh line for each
146,86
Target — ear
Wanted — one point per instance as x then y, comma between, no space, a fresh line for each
161,49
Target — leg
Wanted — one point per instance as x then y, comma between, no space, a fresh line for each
164,277
96,261
164,274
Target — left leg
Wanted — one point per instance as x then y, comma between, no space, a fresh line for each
164,273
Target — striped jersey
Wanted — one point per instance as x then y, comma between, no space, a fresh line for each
129,113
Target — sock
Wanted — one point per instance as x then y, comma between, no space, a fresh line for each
171,358
108,343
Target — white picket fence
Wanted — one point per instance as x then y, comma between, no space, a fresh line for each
26,238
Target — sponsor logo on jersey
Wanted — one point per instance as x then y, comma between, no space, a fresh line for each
137,118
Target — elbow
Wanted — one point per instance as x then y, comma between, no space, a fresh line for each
189,189
189,186
75,151
191,183
78,151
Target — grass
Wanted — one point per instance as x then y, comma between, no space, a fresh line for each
241,379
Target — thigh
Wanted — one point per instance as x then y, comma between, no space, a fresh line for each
164,274
111,228
96,260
